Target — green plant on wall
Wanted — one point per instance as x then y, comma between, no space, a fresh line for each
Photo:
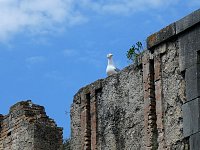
133,53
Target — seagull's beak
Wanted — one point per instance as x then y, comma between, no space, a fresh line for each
109,55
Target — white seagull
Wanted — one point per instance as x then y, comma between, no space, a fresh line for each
111,69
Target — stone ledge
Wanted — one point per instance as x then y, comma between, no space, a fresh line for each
99,83
86,89
188,21
173,29
161,36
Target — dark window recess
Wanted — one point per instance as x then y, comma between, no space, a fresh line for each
98,93
88,98
88,120
183,74
9,133
153,110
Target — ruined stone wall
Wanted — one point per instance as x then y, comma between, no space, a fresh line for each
151,105
185,116
172,89
114,119
76,123
169,95
120,111
27,127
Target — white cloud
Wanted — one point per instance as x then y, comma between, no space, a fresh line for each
70,53
36,16
35,60
48,16
125,6
55,75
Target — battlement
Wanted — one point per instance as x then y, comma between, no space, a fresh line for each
28,127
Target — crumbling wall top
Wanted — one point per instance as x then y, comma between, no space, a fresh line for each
100,83
25,105
27,127
34,112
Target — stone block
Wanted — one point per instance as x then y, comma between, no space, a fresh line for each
189,48
191,120
188,21
161,36
192,77
194,141
193,72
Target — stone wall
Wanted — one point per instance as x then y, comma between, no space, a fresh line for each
186,33
169,94
27,127
120,111
119,102
151,105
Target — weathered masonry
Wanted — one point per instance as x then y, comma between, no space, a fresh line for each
27,127
152,105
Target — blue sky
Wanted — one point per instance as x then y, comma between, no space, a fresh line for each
51,48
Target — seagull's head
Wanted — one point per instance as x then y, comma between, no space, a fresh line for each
109,55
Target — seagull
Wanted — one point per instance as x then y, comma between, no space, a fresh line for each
111,69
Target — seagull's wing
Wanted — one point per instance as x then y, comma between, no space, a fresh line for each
117,70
